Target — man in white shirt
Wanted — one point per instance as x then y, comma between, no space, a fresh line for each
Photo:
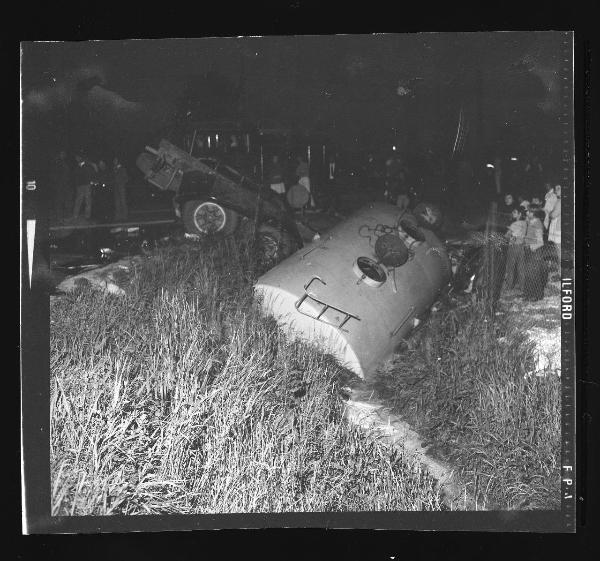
554,227
550,201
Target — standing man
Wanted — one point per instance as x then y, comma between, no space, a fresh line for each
534,234
535,274
61,184
554,227
276,176
100,192
120,180
85,175
331,169
302,172
533,172
550,199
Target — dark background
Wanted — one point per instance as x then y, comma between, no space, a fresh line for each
121,94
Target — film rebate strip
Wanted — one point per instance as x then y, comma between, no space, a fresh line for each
567,307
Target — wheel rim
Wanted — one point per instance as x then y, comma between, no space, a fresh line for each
209,218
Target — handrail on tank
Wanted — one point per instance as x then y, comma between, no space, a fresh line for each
326,306
402,321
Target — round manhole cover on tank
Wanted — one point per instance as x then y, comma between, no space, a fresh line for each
370,272
391,250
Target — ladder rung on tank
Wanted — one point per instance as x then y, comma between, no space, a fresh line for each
325,307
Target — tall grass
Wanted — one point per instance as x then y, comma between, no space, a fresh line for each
181,398
463,384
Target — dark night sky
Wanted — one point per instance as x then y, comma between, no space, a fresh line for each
306,81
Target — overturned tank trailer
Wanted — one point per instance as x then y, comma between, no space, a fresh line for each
361,289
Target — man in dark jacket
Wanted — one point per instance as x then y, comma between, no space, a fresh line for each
275,176
85,175
61,185
120,180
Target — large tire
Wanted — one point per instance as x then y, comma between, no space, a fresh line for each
275,244
208,217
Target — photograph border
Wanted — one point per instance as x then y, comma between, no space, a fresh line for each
35,411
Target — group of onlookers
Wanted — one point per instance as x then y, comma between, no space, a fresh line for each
533,228
297,193
77,183
385,178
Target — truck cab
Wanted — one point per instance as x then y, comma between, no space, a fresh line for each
211,197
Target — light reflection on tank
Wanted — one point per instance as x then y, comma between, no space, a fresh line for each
352,300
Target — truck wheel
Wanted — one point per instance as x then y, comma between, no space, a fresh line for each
208,217
275,244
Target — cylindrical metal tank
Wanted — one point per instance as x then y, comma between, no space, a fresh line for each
359,313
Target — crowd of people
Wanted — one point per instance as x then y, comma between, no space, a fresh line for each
534,228
527,211
79,184
313,186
